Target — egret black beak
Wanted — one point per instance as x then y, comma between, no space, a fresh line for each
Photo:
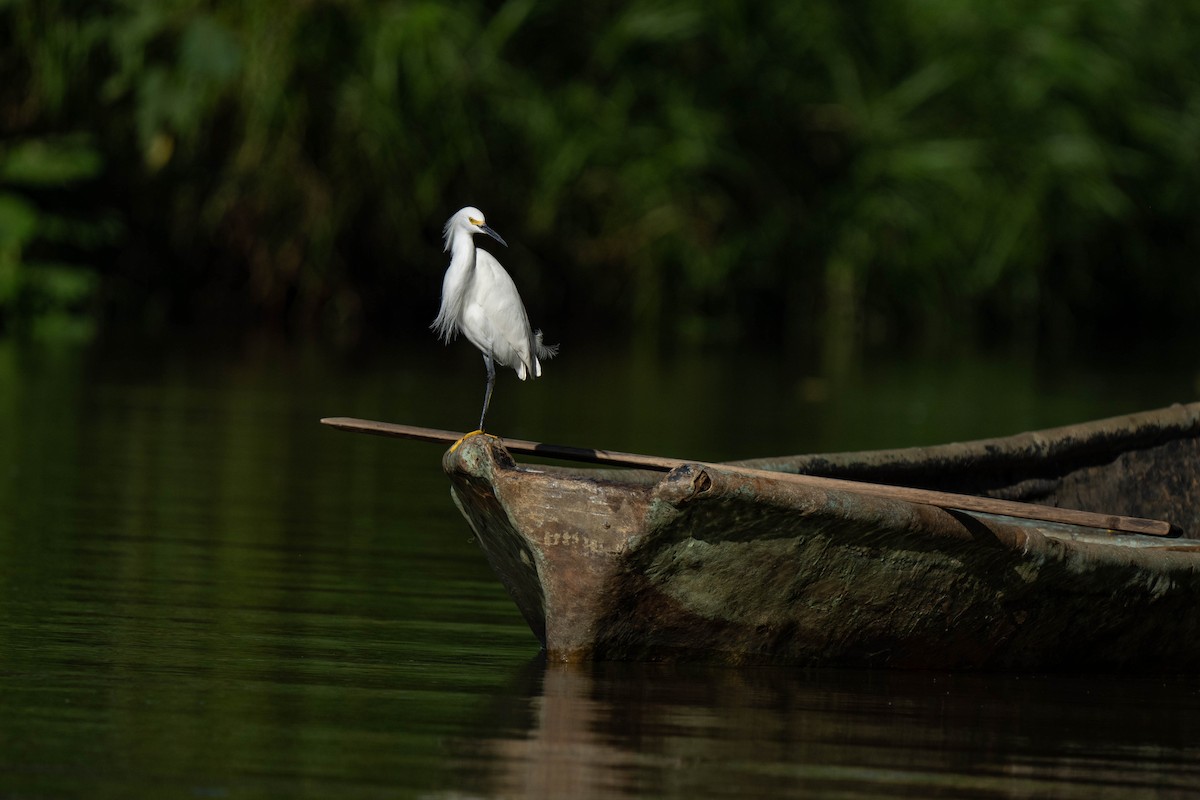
493,234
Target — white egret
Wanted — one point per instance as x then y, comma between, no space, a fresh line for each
480,300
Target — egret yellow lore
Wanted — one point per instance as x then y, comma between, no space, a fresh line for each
480,301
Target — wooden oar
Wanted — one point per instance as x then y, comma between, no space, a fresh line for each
947,500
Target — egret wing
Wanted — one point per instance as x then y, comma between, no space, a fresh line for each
498,316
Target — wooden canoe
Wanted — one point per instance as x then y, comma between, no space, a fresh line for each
708,562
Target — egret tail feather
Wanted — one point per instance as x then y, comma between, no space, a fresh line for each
546,351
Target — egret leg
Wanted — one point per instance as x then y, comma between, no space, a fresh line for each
491,382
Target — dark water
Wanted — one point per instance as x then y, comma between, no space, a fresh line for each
203,593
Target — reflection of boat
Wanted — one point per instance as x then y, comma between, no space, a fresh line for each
708,562
688,730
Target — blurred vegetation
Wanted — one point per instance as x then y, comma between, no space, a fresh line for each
807,172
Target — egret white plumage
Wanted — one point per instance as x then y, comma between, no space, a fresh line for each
480,300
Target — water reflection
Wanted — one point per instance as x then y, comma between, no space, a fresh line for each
203,592
685,731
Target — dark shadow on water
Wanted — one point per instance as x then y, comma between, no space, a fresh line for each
657,730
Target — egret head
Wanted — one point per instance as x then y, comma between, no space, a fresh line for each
468,219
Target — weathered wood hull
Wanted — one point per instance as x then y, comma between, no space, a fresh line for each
707,563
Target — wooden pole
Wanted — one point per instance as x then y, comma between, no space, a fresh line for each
948,500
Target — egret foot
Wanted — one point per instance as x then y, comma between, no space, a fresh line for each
466,436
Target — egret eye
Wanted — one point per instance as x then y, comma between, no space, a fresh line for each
474,221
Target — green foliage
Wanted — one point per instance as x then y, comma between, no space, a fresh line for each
33,289
727,170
